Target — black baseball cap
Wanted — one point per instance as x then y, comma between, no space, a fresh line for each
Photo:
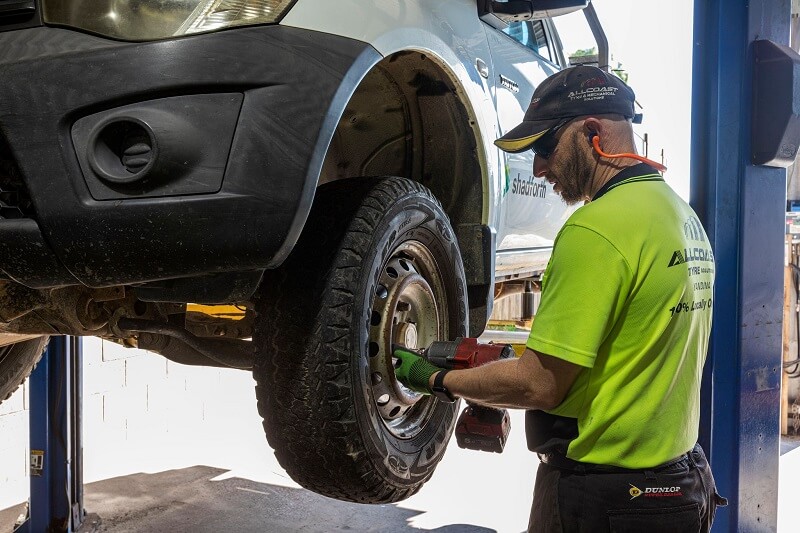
572,92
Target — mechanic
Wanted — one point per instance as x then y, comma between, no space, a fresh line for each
612,370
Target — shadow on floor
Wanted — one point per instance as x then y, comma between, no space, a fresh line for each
176,501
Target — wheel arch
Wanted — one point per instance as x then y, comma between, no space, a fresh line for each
411,117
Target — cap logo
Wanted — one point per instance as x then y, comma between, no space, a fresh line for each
594,82
593,93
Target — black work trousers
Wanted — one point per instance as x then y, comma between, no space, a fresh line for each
679,496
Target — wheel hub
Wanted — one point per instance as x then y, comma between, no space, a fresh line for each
407,335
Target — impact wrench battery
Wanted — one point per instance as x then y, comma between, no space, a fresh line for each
479,427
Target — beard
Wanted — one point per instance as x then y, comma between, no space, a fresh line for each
573,173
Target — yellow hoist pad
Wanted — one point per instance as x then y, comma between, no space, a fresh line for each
519,349
228,312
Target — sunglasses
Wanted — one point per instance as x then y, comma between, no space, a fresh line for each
544,145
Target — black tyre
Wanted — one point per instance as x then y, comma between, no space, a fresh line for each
17,362
377,263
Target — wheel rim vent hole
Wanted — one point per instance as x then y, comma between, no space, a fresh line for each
383,399
405,266
374,349
392,272
375,319
381,292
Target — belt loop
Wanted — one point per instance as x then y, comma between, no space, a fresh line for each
690,457
650,475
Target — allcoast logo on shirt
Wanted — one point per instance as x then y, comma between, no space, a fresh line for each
654,492
688,255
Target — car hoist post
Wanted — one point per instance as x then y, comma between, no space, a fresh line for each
56,470
742,204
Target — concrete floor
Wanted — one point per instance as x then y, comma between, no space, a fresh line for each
223,477
189,500
212,499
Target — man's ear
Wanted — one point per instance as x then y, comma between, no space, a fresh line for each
593,128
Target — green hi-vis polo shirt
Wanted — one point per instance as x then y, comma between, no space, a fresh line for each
627,295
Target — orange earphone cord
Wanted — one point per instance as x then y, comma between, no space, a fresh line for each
596,144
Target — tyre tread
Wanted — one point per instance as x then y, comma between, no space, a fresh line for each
17,364
298,410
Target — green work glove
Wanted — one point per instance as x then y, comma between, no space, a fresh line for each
414,371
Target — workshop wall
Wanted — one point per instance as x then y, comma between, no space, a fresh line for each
14,448
131,400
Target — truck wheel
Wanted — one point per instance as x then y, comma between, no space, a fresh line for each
17,362
377,264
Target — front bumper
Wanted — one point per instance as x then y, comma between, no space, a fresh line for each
246,116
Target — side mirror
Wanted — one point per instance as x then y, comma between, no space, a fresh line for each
556,8
499,14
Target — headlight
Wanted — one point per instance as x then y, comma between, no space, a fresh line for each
146,20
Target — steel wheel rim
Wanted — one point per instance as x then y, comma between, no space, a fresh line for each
409,307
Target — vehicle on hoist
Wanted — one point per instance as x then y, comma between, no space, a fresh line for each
283,186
